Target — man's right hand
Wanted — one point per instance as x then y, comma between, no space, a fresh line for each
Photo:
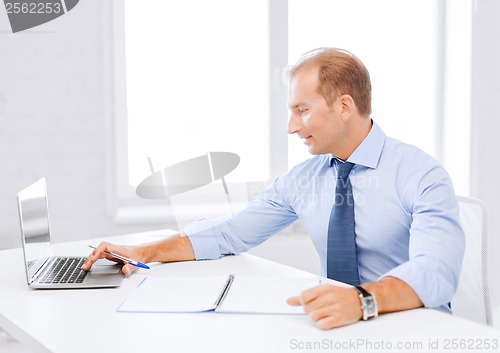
98,253
173,248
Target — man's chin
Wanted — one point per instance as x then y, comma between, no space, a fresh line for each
314,151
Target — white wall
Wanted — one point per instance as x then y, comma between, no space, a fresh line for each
485,158
53,116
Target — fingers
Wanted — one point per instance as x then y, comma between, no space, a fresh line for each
294,301
128,269
306,297
310,295
99,253
329,322
95,255
329,306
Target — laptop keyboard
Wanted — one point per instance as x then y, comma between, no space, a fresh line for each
64,270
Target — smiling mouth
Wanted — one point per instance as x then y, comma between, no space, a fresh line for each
305,139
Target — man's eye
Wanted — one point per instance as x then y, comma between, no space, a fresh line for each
302,110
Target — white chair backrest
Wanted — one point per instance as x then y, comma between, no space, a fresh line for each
471,300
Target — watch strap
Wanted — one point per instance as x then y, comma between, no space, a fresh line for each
368,303
362,291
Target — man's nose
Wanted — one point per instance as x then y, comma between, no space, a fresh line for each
293,124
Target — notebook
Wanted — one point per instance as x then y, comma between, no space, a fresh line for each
222,294
43,270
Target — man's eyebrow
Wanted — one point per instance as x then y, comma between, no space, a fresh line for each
295,106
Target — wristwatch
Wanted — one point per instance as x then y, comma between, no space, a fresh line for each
368,303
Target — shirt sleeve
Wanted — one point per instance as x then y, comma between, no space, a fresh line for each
437,240
269,213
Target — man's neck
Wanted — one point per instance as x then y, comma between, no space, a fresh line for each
359,130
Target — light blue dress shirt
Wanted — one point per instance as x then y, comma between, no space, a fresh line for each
406,215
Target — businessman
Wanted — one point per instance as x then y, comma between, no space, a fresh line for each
382,214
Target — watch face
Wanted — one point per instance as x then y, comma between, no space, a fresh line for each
368,302
370,306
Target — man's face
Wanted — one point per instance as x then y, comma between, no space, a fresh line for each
319,126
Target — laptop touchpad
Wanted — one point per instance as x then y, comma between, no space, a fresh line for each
105,267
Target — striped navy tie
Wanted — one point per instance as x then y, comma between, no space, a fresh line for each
341,259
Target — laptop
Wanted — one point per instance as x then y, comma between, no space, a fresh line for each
43,270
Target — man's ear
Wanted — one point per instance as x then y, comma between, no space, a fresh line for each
348,107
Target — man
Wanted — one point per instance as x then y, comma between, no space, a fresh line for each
389,221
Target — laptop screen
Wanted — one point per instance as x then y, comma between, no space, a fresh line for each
34,218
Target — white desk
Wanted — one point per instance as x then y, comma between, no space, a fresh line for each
86,320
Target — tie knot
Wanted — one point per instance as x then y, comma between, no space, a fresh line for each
343,168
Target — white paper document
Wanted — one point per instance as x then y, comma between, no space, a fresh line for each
224,294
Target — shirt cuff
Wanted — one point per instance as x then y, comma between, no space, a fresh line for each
203,240
428,279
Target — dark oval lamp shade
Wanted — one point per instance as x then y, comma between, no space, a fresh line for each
188,175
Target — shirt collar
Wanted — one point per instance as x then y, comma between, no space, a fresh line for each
369,151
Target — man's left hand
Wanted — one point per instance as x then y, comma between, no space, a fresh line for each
330,306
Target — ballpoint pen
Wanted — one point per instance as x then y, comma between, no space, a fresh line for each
123,258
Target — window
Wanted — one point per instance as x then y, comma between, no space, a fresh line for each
197,83
207,76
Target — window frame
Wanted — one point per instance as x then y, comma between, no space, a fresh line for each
123,208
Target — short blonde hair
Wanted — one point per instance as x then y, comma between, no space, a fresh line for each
340,72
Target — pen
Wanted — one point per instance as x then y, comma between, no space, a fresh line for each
123,258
